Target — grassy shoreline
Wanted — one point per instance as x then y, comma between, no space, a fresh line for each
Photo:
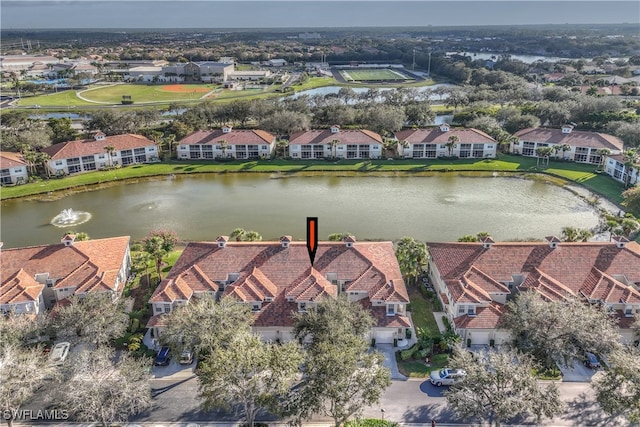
558,172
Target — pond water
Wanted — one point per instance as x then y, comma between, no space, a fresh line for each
439,208
326,90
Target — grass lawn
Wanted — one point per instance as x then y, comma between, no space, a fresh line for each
64,99
147,92
415,369
372,74
422,312
561,171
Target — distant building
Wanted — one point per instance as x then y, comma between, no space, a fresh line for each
13,168
199,72
249,75
309,36
226,142
334,142
276,63
432,143
25,62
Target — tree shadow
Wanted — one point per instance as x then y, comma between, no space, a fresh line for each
424,414
583,411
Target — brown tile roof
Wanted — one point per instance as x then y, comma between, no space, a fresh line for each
436,136
588,269
485,318
233,137
576,138
20,287
10,159
157,320
90,265
324,137
88,147
267,268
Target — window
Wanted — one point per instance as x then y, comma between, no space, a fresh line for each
265,147
418,151
207,151
391,309
528,148
241,152
471,311
140,155
465,150
158,309
581,154
302,306
88,163
167,308
59,162
194,151
252,151
255,307
461,309
478,150
352,151
430,151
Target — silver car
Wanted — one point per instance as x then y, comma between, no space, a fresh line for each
447,376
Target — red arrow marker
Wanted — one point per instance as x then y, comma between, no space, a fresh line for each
312,237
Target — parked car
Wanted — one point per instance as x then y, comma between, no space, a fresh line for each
591,361
186,358
447,376
59,353
164,356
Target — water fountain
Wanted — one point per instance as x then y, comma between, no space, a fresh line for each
69,218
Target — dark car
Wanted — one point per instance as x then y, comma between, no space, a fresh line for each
164,356
591,361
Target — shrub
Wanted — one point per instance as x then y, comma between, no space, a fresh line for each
408,333
408,353
424,353
370,422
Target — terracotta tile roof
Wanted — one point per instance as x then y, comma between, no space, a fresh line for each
379,314
437,136
324,137
576,138
485,318
88,147
20,287
571,268
157,320
267,268
9,159
89,266
233,137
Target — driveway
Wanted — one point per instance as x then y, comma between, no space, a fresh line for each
174,371
577,372
390,360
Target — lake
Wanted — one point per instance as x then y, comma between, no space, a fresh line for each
439,208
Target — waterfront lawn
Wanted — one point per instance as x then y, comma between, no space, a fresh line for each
576,172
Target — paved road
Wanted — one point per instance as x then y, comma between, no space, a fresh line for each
409,402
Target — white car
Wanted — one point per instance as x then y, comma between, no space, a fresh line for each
59,353
447,376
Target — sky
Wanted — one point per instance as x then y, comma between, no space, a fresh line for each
67,14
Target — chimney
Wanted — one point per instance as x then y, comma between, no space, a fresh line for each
553,241
621,241
68,239
444,127
226,128
349,241
285,241
222,241
335,129
567,128
99,136
487,241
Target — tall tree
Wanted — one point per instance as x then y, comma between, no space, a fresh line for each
99,388
158,244
452,141
341,375
61,130
631,198
95,319
555,332
205,324
23,372
248,375
110,149
499,386
617,387
412,257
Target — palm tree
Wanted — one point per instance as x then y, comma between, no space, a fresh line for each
252,236
630,157
41,160
281,148
169,140
569,234
603,153
564,147
110,149
223,146
333,145
451,143
30,157
543,153
238,234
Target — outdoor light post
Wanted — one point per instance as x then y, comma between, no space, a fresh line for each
382,412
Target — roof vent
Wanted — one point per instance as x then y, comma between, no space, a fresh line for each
222,241
349,241
553,241
444,127
285,241
621,241
487,241
567,128
335,129
226,129
99,136
68,239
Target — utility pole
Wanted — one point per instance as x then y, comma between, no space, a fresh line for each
429,67
413,65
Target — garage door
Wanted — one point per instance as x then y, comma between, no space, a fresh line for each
480,338
384,336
